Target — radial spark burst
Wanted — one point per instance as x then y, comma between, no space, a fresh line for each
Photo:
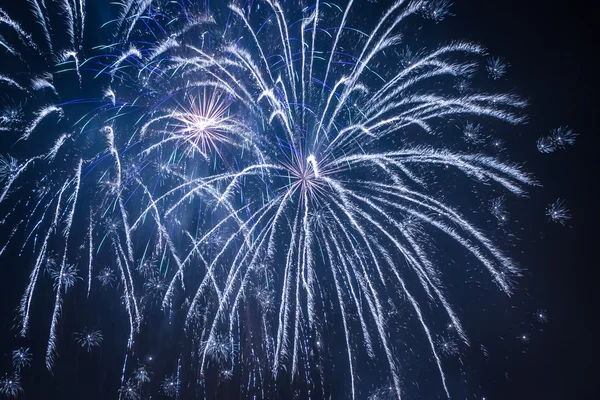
21,358
559,138
206,124
8,167
170,386
89,339
130,391
496,67
10,386
263,178
64,278
106,277
142,375
558,212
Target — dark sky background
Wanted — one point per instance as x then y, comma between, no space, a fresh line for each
552,52
551,49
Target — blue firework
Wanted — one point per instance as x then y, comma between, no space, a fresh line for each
262,174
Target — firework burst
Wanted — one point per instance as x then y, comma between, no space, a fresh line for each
264,175
89,339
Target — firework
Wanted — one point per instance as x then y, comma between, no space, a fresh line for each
472,133
496,67
546,145
155,288
21,358
8,167
106,277
10,386
447,346
263,180
65,278
89,339
142,375
218,349
559,138
130,391
498,209
541,316
170,386
558,212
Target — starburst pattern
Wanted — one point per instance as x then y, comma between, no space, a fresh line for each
106,277
8,167
89,339
496,67
472,133
21,358
558,212
447,346
142,375
64,278
130,391
498,209
170,386
559,138
10,386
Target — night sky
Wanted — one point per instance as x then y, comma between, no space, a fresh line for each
551,51
548,46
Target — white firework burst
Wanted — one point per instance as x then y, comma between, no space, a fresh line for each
89,339
21,358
